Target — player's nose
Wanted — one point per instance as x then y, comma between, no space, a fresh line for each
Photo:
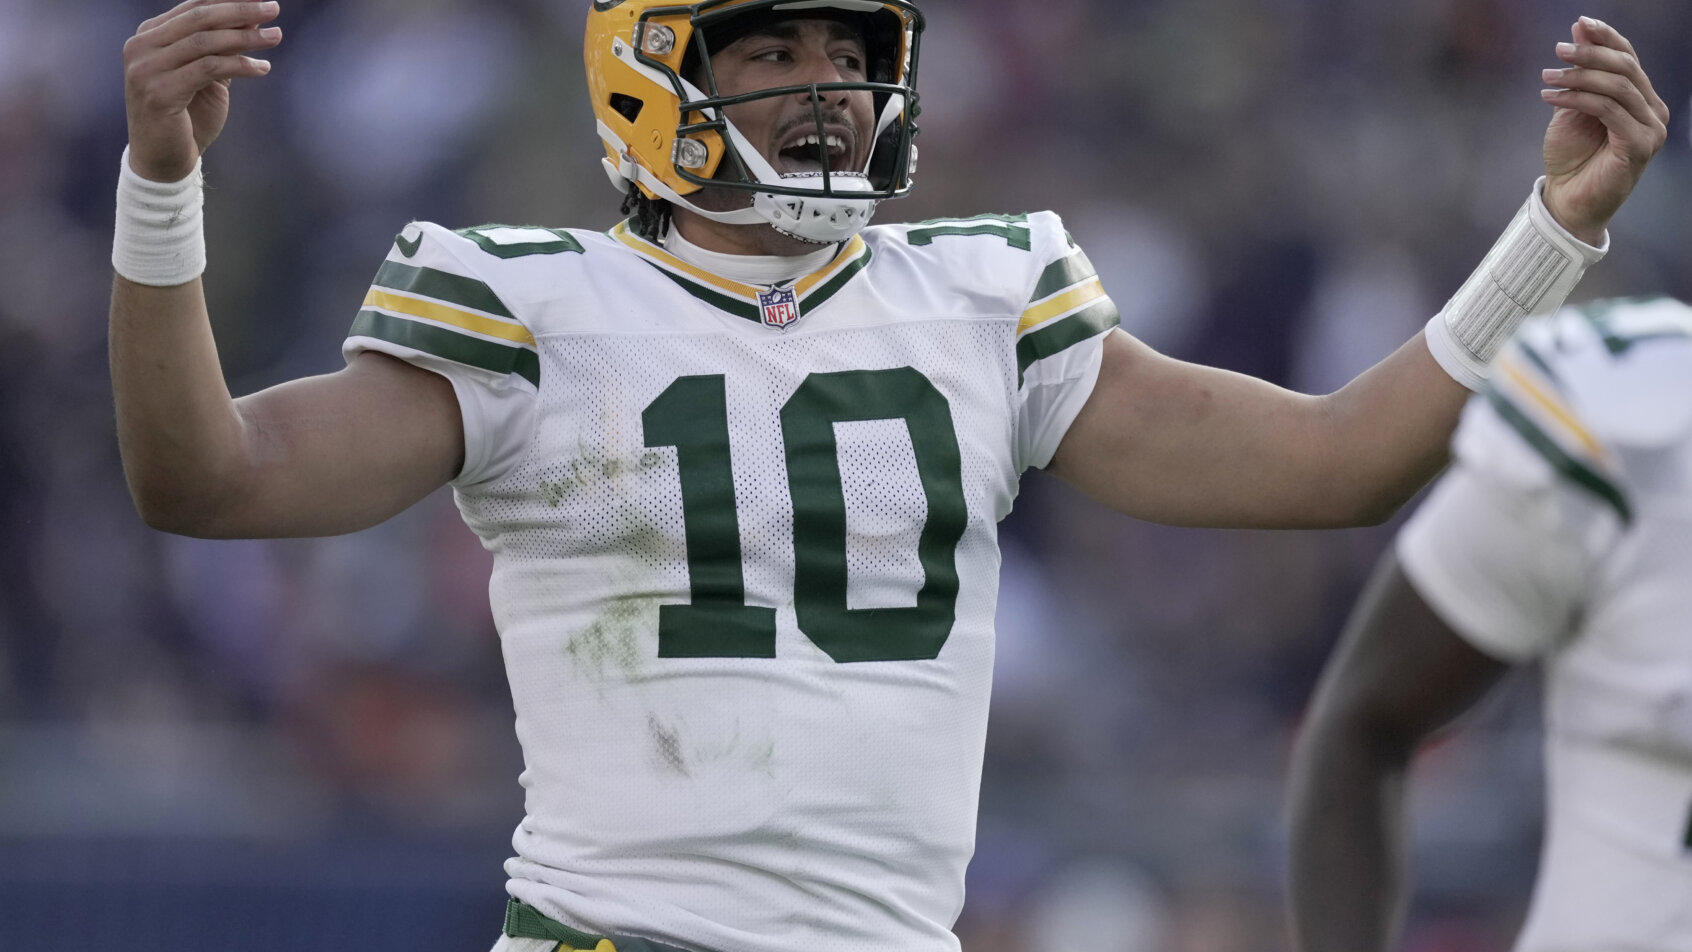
816,66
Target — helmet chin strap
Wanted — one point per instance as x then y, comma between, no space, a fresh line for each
625,173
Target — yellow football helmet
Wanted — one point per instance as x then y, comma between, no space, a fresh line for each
668,137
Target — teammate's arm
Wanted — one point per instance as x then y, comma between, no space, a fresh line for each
1399,674
316,456
1179,443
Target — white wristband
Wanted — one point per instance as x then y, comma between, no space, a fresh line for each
160,238
1529,272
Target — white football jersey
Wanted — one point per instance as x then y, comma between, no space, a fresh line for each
1564,532
746,556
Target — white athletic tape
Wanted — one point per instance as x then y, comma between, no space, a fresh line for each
160,238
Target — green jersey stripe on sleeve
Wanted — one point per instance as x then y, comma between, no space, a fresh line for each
442,286
1064,333
449,344
1063,274
1560,459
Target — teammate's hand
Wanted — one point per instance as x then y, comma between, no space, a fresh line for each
1608,124
176,74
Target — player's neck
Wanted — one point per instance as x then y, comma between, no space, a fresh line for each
758,268
728,239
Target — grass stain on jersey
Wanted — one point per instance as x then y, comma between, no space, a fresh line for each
588,471
612,644
666,743
737,753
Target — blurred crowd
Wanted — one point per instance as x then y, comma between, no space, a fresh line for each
1287,188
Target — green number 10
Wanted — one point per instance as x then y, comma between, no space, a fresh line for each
692,416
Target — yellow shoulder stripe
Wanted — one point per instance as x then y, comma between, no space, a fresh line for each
1521,380
451,316
1082,294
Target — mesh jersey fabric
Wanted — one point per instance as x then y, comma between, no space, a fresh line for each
745,555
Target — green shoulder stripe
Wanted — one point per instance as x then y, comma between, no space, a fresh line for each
1063,273
1539,361
1064,333
442,286
1572,469
1601,314
449,344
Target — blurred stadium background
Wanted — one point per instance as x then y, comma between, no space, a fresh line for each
307,744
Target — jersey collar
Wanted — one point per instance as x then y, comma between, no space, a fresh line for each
747,300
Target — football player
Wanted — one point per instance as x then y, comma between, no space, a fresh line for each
741,459
1563,534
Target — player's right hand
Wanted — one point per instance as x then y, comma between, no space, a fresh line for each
176,74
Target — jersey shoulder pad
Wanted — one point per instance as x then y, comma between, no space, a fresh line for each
1032,266
1589,397
439,296
1633,378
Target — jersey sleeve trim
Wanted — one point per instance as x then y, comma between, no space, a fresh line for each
1054,335
1530,382
1063,274
449,344
437,313
451,289
449,316
1577,465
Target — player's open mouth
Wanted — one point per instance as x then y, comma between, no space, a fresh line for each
809,153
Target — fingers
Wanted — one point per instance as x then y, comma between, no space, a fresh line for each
196,18
197,43
1601,46
1603,80
216,43
180,85
192,15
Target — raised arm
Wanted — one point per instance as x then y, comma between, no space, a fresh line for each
1398,675
315,456
1178,443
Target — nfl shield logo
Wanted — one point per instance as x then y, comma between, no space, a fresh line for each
780,306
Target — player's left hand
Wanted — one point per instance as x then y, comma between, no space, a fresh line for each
1608,124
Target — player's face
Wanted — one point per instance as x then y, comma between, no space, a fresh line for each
784,128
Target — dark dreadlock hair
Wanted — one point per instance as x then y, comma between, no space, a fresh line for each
648,218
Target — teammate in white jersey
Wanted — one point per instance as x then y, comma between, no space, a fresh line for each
1563,534
741,459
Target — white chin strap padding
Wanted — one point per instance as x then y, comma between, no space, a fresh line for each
823,219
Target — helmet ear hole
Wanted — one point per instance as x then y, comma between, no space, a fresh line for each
626,106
